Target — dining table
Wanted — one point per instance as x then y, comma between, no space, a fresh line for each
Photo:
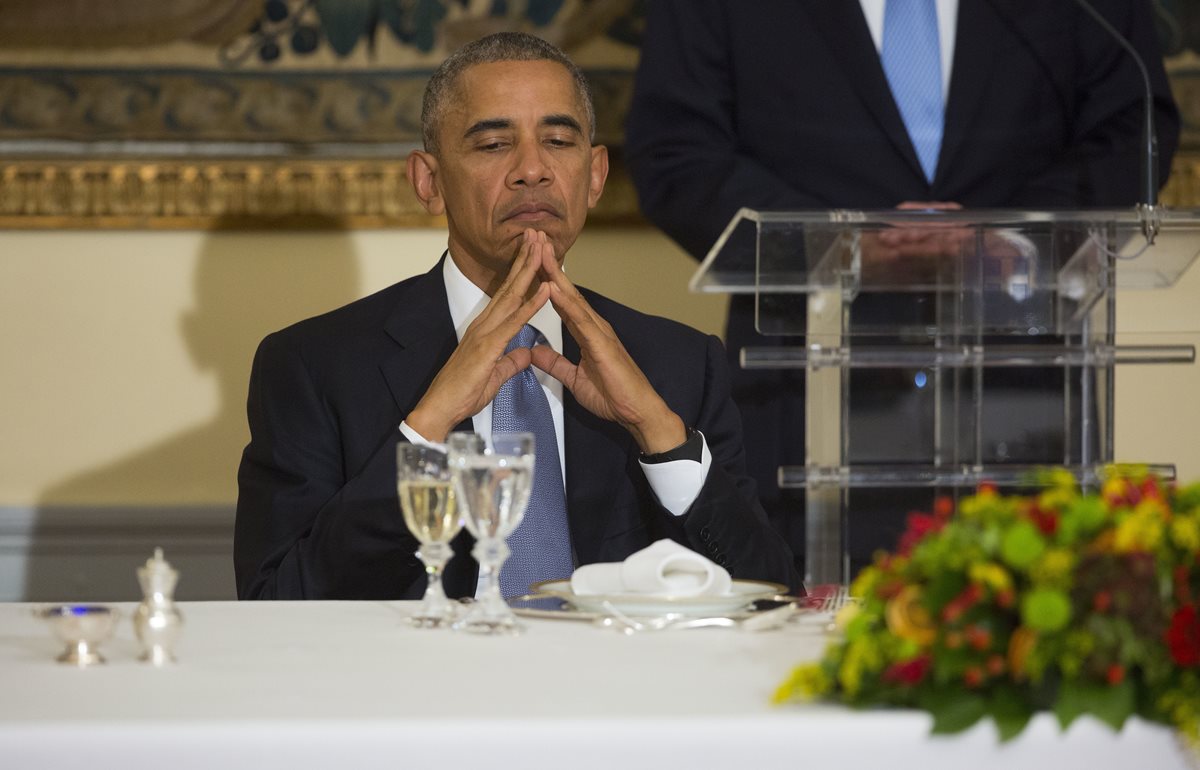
353,684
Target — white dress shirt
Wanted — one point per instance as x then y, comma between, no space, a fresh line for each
677,483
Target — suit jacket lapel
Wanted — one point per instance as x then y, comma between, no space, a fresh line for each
424,335
842,25
974,63
425,338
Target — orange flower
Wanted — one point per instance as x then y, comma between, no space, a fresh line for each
1020,645
978,637
907,619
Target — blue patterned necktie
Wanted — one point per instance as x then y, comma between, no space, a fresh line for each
541,545
912,60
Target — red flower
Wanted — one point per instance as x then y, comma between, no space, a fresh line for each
943,507
1045,521
956,607
1116,674
909,672
919,525
1183,637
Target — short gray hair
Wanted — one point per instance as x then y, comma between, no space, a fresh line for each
502,46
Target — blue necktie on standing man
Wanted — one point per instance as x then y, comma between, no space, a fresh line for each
912,61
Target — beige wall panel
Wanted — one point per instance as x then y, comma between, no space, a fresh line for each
127,353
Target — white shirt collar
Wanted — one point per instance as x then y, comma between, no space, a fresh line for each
467,301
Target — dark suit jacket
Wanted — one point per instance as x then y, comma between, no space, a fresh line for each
318,515
783,104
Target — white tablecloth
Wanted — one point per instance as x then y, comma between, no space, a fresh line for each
348,684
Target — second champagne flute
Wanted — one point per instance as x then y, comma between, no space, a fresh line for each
492,481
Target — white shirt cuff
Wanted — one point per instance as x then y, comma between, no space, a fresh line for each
416,438
677,483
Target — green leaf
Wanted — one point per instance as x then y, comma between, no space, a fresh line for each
1115,704
953,709
1072,701
1046,609
944,586
1111,704
1010,711
1022,545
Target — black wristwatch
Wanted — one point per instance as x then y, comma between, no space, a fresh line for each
692,448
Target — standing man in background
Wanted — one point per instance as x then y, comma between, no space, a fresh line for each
818,104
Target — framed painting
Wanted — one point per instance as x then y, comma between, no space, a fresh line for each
140,113
299,113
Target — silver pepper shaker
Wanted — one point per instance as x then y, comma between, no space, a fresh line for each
156,621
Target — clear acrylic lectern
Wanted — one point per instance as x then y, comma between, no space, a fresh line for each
955,296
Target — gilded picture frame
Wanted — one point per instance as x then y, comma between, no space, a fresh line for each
283,113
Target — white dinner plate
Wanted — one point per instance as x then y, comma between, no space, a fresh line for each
741,594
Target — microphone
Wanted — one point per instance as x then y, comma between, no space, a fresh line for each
1148,210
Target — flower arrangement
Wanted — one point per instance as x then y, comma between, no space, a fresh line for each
1071,602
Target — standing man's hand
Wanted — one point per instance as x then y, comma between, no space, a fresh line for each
479,366
606,381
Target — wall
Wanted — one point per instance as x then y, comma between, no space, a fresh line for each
126,356
126,361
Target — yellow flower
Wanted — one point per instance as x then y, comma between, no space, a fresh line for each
907,619
805,683
847,613
972,506
1062,478
1115,488
1055,499
860,656
991,575
1185,532
866,581
1142,529
1054,567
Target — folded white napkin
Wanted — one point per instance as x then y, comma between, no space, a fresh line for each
664,568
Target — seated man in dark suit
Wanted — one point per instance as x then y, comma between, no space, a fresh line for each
649,442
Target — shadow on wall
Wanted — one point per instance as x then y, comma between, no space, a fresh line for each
83,547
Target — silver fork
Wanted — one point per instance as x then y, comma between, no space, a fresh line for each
836,600
762,621
832,604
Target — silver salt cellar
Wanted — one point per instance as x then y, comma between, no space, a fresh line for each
157,621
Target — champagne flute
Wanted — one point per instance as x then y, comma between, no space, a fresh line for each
427,501
492,482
